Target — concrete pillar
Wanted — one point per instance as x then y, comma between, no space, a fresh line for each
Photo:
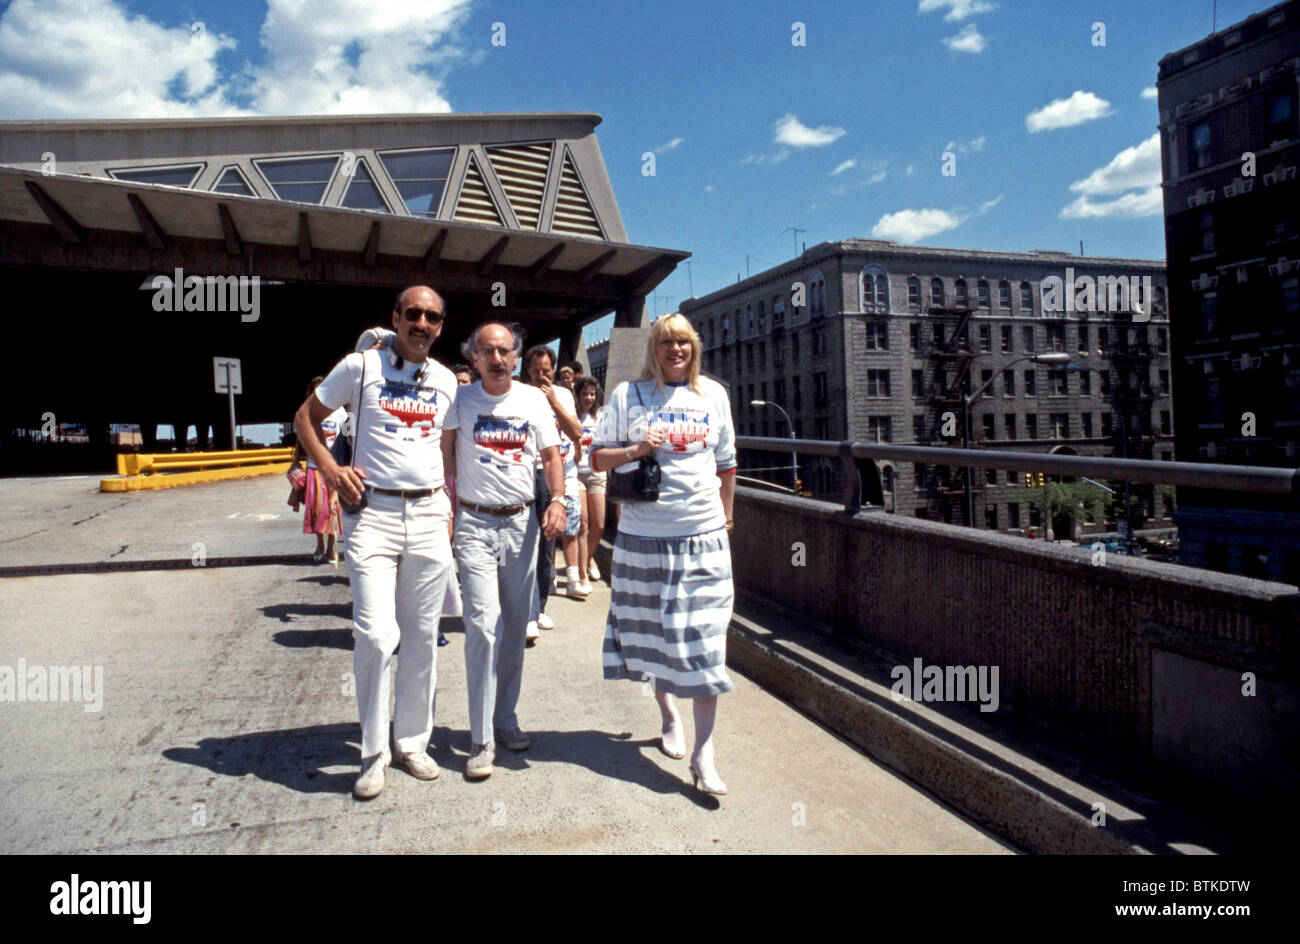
627,343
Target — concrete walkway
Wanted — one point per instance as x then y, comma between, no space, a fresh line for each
227,723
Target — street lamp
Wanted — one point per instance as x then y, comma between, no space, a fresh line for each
1123,451
968,399
794,456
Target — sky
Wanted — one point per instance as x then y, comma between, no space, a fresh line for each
838,119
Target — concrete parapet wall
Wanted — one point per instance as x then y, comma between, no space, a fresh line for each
1142,661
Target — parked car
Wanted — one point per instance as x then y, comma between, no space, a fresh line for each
1114,544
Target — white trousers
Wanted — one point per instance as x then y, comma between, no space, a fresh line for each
399,559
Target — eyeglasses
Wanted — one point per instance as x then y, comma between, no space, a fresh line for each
489,351
431,316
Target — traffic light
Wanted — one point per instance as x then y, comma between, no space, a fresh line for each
1029,480
1041,480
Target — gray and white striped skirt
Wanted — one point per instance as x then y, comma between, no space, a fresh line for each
669,608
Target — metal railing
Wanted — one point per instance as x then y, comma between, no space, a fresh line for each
1234,478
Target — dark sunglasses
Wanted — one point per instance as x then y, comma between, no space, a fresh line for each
431,316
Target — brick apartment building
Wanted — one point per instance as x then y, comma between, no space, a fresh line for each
1233,247
890,338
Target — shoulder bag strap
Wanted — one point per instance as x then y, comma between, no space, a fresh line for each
361,399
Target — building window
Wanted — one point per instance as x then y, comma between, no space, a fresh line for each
1087,425
419,177
1013,515
961,293
1163,381
1206,227
1008,383
982,294
762,353
726,327
817,295
938,335
798,396
762,390
1200,146
986,338
988,427
749,320
991,476
1056,337
1004,294
819,391
1056,379
877,336
915,335
301,180
232,181
1010,421
1162,339
1031,385
878,383
762,317
1105,382
1031,426
1084,332
778,311
1026,297
794,347
362,192
918,383
991,517
1106,428
878,429
874,288
1027,338
1085,383
1210,314
749,354
1060,425
936,292
986,381
1290,296
818,341
1281,118
1166,423
1007,343
778,391
913,292
778,352
822,429
918,428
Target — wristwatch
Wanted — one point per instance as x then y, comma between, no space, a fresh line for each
557,498
628,451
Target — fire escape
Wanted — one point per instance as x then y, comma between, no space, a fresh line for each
950,362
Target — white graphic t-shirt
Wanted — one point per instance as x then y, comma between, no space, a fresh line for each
400,416
331,426
567,453
589,423
700,442
499,440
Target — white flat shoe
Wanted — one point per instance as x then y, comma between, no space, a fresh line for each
704,785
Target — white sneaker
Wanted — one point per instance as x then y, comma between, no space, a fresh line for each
371,782
544,622
530,633
593,572
584,587
573,586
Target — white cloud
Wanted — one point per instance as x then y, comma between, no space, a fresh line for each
708,188
957,9
877,177
909,226
93,58
911,169
965,147
1067,112
990,204
1136,168
1147,202
1149,92
970,39
668,146
790,130
842,166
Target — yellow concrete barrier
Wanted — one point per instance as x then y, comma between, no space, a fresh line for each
137,471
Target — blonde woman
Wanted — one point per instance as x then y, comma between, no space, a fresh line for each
671,589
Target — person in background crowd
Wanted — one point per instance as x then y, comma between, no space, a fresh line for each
539,368
500,427
671,588
399,556
591,484
464,374
320,505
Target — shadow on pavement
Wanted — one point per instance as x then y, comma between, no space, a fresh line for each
286,612
315,638
293,758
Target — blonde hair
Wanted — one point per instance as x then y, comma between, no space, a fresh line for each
673,326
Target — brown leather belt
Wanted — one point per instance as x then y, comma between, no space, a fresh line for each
499,511
408,493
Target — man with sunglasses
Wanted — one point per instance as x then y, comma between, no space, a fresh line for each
398,550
